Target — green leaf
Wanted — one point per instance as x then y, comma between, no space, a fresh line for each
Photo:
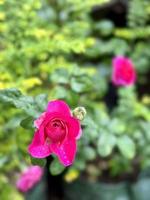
89,122
59,92
13,123
80,163
90,128
126,146
81,84
14,97
41,101
60,76
116,126
3,160
8,95
40,162
27,123
105,144
89,153
104,27
56,168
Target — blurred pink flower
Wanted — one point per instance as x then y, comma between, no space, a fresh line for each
29,178
123,72
57,132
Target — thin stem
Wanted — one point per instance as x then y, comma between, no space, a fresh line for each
55,183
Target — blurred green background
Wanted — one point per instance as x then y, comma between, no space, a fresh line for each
63,49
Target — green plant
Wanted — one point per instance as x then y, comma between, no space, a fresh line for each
56,50
118,141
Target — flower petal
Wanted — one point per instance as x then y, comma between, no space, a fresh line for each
37,148
66,152
58,106
124,73
29,178
118,61
74,128
38,122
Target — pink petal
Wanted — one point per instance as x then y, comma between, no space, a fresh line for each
29,178
74,128
38,122
58,106
24,185
66,152
79,134
73,124
40,151
37,148
118,61
119,76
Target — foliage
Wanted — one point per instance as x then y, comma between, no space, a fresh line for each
55,49
118,140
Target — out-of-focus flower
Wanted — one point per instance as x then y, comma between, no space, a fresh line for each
29,178
146,100
71,175
57,132
123,72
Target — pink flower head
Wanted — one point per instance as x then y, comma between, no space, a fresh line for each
123,73
57,132
29,178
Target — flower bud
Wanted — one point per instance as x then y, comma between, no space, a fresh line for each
79,113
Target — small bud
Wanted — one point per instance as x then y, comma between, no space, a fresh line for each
79,113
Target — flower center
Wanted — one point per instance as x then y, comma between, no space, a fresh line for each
127,73
124,73
56,130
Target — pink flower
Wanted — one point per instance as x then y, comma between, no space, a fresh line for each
123,73
29,178
57,132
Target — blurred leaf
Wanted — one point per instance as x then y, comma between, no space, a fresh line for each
40,162
81,84
60,76
13,123
126,146
41,101
79,163
59,92
117,126
3,160
27,123
105,144
90,129
104,27
56,168
14,97
89,153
